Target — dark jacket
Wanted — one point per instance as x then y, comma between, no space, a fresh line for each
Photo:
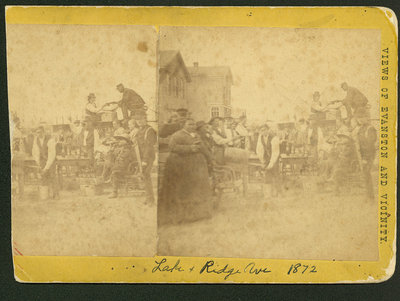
147,139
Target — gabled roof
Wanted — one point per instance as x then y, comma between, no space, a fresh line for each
212,71
169,59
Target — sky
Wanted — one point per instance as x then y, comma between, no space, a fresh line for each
276,70
53,68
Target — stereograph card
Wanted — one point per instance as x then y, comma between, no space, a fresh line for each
203,145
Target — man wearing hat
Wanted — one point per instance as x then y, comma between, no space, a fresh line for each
91,110
182,113
354,101
317,110
268,152
121,157
130,102
44,153
146,138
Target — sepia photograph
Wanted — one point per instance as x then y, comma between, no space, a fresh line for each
82,102
201,144
268,141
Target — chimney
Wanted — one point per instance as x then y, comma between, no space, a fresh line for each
196,64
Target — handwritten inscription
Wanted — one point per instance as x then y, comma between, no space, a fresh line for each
226,270
210,268
301,268
252,269
161,266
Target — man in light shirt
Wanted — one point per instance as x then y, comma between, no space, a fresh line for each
268,152
91,110
220,140
242,131
44,153
229,131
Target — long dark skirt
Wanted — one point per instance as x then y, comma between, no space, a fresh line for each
185,194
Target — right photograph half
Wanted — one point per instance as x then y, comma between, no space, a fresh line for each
268,142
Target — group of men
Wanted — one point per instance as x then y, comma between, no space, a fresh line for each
132,148
197,150
132,139
352,144
130,102
130,144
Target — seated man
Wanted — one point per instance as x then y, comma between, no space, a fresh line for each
121,158
118,128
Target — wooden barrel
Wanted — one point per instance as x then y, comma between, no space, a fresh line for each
109,116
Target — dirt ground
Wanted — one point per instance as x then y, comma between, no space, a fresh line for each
302,224
84,225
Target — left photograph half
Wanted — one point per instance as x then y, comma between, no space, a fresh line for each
83,131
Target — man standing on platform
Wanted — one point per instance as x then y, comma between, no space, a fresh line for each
91,111
130,102
354,102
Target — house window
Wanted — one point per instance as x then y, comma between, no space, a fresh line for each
168,84
227,95
214,112
177,86
182,88
171,84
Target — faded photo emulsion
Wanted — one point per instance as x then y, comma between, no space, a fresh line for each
83,128
268,142
233,142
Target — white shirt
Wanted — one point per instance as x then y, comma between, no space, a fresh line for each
218,139
229,133
91,107
241,130
51,149
274,149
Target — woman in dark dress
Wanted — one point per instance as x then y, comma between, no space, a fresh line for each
185,194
